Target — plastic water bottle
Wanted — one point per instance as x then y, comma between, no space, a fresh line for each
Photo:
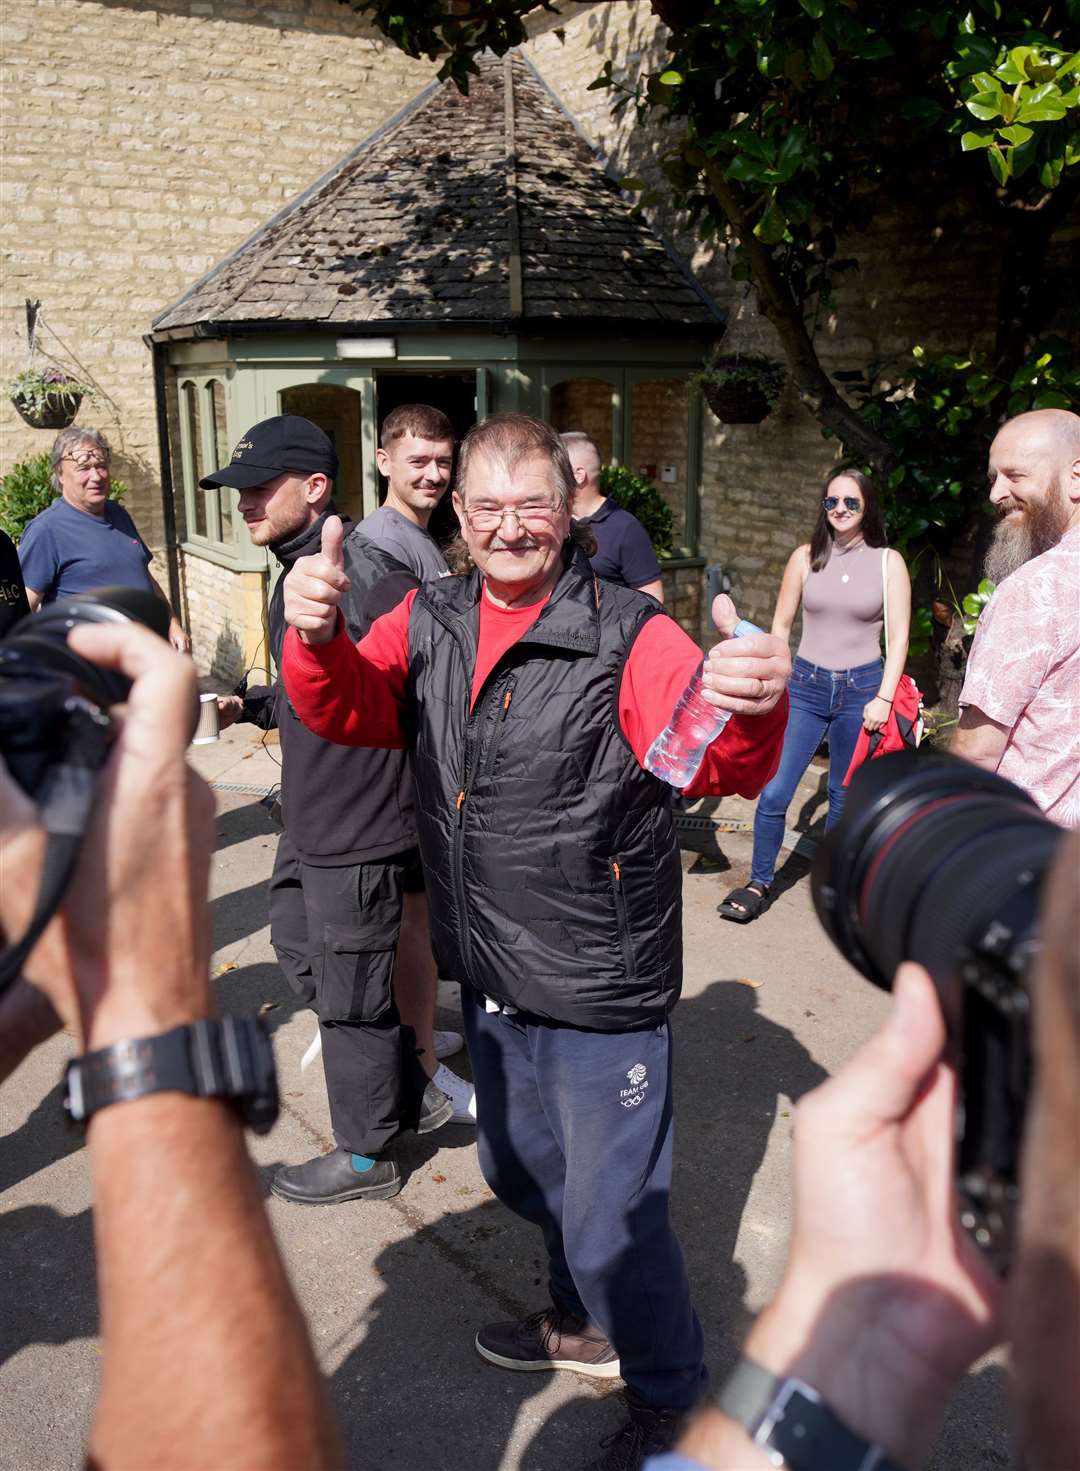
678,751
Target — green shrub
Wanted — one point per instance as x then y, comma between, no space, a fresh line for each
642,499
27,489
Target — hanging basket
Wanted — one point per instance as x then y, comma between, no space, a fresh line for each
57,411
737,403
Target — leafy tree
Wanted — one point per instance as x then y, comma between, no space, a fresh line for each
790,119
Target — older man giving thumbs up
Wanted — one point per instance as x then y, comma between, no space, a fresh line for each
530,695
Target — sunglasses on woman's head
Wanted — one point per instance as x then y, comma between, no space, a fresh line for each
830,502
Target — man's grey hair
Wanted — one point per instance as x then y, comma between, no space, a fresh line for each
510,438
66,441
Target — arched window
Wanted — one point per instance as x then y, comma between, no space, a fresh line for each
588,405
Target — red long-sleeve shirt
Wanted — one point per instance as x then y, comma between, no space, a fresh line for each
354,694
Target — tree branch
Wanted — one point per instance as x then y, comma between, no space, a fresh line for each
776,302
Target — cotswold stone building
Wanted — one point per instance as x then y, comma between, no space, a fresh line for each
230,209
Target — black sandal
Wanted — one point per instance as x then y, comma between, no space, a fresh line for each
752,901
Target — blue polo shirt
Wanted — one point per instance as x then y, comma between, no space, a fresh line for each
624,552
64,551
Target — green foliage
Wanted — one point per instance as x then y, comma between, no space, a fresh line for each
642,499
27,490
457,34
763,373
938,417
38,389
790,112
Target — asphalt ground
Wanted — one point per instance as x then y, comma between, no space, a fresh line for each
395,1290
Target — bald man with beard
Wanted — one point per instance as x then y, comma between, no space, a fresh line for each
1020,704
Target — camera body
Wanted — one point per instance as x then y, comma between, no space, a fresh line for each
52,701
938,861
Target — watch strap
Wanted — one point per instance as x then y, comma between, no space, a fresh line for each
228,1057
791,1422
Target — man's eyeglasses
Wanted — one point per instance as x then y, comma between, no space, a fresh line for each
87,461
830,502
490,518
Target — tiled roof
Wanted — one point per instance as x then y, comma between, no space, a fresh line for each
489,208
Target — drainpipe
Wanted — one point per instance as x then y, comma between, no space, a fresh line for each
157,352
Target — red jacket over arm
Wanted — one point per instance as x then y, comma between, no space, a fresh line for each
354,694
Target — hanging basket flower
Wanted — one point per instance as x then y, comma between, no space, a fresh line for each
46,398
742,389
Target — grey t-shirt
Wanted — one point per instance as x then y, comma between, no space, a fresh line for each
406,541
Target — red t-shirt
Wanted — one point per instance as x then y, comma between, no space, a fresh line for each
354,694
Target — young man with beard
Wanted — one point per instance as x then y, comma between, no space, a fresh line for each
348,853
1020,704
416,454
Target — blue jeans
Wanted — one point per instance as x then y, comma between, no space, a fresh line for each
822,701
574,1134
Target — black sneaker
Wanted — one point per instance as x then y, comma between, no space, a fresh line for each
549,1339
647,1432
330,1178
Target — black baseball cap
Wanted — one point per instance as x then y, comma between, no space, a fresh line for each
284,443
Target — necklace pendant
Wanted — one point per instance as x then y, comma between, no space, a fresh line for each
844,577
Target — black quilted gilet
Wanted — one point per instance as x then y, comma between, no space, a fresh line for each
553,871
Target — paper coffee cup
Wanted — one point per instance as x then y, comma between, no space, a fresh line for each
207,729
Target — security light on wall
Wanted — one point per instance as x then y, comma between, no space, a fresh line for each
367,347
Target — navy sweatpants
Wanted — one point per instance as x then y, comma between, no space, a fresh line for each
574,1132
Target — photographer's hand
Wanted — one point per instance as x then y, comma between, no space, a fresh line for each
188,1271
129,954
884,1303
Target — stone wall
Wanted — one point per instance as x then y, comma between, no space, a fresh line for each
145,141
226,619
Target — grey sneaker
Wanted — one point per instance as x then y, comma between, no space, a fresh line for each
549,1339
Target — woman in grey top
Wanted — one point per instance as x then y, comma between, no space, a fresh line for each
838,681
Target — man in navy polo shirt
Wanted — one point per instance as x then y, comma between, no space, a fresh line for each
624,552
85,541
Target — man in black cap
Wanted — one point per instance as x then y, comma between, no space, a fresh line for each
348,852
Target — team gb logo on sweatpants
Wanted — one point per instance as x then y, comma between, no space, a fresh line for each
634,1095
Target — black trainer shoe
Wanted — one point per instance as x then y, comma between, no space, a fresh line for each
330,1178
647,1432
549,1339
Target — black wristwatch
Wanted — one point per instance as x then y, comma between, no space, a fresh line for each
793,1425
230,1057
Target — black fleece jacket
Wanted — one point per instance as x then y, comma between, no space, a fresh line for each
340,804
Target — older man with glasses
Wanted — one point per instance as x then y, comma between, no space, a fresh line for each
84,540
530,694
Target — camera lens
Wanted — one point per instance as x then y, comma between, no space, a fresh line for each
930,849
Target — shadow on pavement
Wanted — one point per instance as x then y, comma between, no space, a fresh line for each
50,1293
732,1068
38,1142
239,824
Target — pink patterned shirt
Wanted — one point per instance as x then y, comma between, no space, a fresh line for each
1024,673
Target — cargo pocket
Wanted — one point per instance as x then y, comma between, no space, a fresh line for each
357,965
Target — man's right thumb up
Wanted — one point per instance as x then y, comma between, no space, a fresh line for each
333,535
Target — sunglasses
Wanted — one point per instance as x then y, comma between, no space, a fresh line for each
830,502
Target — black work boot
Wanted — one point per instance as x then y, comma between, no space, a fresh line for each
331,1178
648,1431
